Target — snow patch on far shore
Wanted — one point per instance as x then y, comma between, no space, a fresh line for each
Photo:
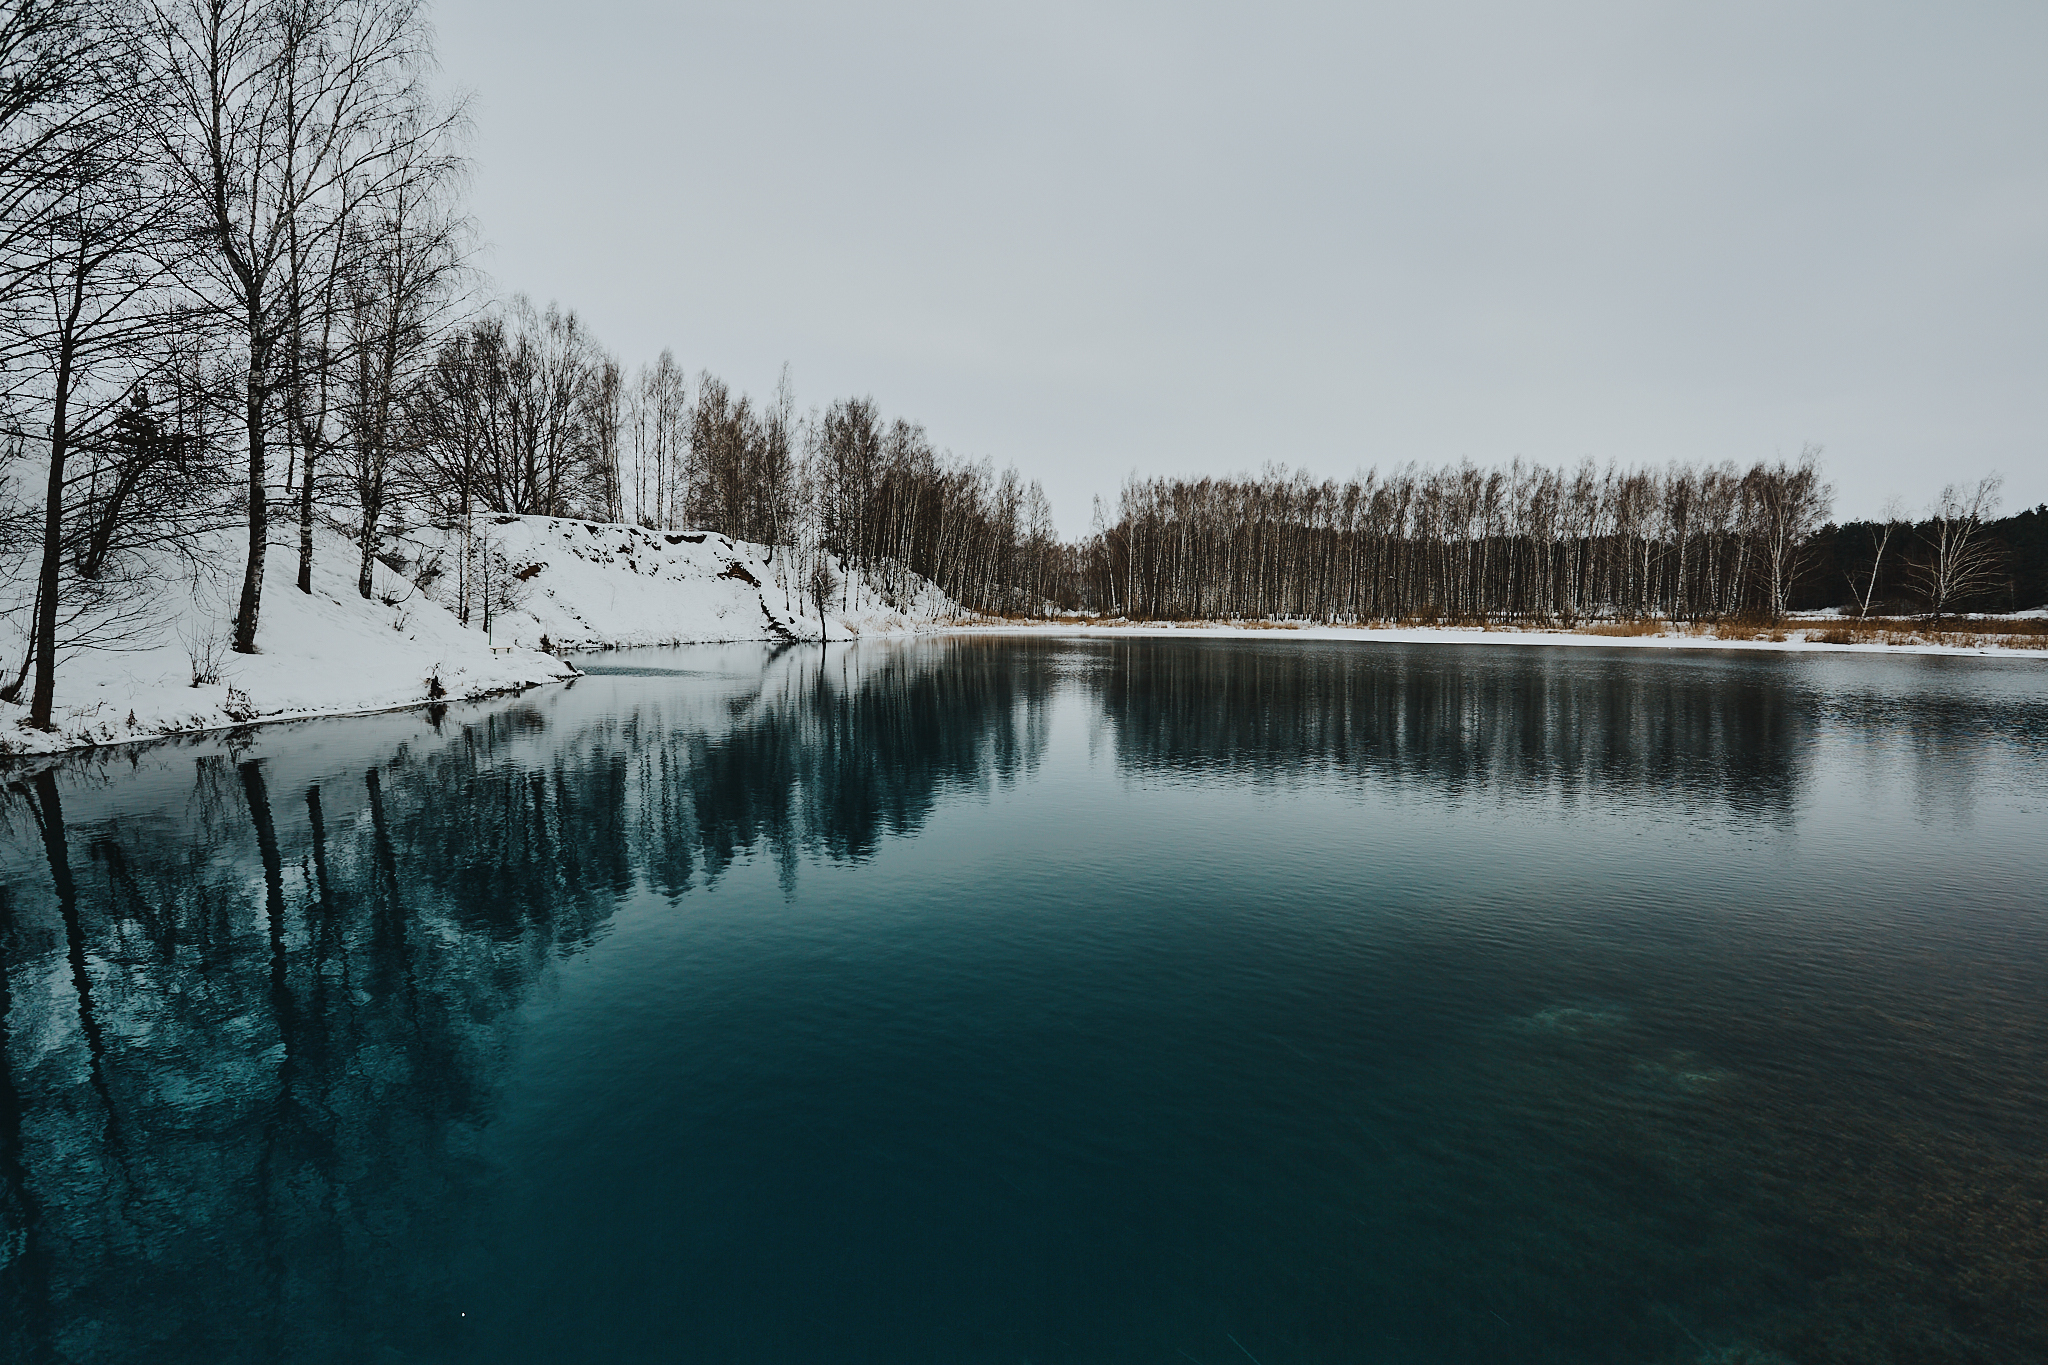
1795,640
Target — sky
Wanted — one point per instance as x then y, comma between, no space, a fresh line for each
1100,239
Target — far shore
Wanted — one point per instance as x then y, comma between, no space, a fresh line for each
2018,637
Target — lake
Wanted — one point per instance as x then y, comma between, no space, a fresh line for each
1022,999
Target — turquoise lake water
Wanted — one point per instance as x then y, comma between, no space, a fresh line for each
1014,999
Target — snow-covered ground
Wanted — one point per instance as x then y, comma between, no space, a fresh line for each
1795,636
582,585
559,585
327,653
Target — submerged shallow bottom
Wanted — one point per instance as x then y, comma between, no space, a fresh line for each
1027,1000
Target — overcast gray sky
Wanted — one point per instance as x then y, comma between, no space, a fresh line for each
1095,238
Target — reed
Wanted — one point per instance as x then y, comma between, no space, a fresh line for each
1634,626
1962,633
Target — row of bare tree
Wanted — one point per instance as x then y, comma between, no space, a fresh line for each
228,238
525,413
1527,542
893,507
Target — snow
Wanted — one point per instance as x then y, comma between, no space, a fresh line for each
325,653
585,585
582,586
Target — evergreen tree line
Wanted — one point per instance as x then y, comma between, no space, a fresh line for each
1883,566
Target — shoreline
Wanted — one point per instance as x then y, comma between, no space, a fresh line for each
1794,643
17,759
26,753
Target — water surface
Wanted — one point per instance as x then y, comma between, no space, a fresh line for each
1025,1000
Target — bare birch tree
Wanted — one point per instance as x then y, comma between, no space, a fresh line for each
402,260
269,110
1791,501
1956,561
87,270
1882,532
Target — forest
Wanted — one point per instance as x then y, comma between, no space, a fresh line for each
238,290
1531,543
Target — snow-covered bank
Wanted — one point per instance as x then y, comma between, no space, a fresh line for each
1797,636
563,584
555,584
328,653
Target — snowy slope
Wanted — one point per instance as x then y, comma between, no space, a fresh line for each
328,653
559,585
579,585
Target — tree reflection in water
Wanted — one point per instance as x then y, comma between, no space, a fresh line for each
251,1019
257,989
1509,722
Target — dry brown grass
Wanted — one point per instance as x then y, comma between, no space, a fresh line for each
2030,633
1737,628
1445,621
1642,625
